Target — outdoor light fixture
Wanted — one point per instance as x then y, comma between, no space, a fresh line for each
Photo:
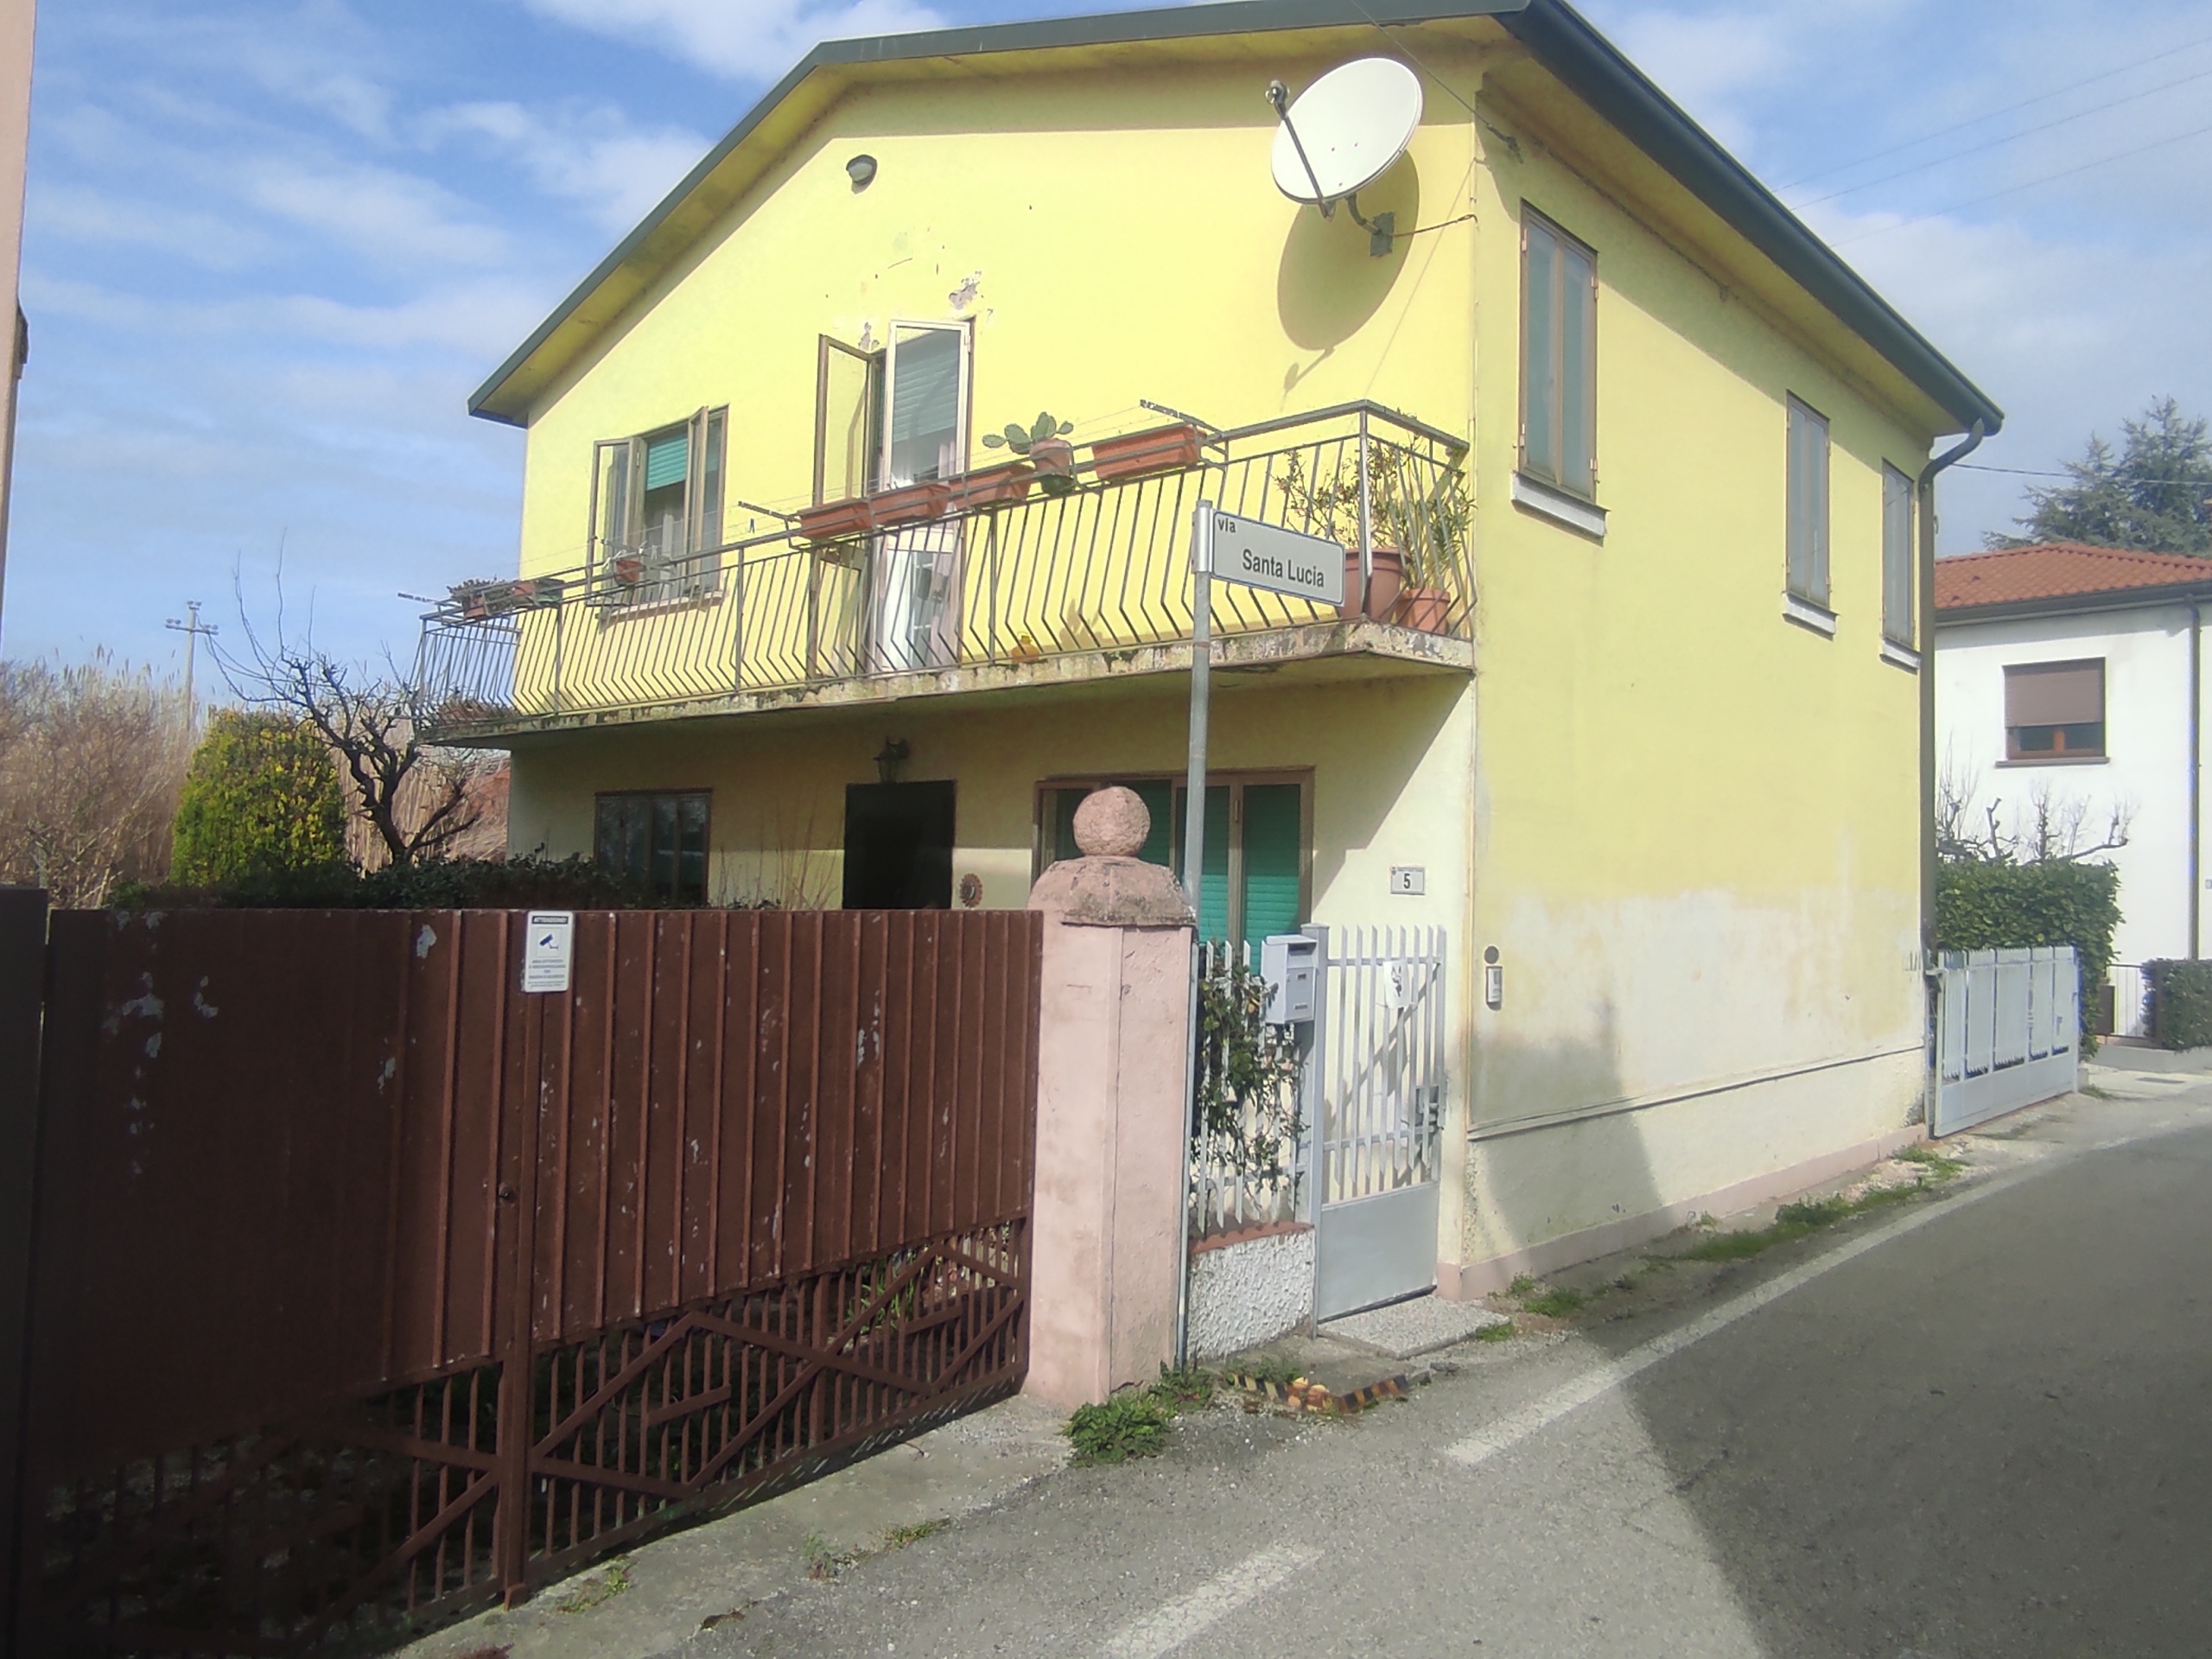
861,171
890,758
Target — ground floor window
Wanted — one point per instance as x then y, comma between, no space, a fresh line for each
656,839
899,846
1258,844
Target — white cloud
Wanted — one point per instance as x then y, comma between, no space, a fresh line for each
389,215
594,157
745,39
208,239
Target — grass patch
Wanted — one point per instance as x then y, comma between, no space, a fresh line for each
1521,1285
1130,1425
1503,1331
597,1591
1795,1221
1280,1372
1188,1387
900,1537
1942,1166
821,1561
1554,1304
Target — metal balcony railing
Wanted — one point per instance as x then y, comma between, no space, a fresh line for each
1103,566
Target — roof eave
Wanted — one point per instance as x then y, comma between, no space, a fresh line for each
2122,598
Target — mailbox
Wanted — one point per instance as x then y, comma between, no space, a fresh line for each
1290,964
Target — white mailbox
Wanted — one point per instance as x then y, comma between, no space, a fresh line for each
1290,964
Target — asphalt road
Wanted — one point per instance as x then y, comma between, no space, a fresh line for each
1980,1425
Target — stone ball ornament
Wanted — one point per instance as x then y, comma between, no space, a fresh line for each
1112,823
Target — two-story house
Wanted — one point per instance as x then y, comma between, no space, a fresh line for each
1624,692
2070,687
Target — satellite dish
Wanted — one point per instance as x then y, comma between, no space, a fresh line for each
1344,131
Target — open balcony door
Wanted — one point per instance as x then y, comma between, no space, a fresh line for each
913,613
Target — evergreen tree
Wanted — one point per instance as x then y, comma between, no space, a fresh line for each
2155,495
261,796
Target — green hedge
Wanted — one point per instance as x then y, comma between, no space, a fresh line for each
1992,906
2181,1003
430,884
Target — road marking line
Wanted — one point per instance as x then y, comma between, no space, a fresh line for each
1515,1426
1212,1602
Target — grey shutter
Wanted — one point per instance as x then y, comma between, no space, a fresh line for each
2055,694
1897,556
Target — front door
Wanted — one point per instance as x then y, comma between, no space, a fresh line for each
899,846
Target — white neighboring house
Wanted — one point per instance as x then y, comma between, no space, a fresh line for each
2077,674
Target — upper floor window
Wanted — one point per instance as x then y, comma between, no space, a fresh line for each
1808,504
1897,557
1558,356
657,840
891,416
657,507
2055,711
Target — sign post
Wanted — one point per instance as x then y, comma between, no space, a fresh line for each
1194,782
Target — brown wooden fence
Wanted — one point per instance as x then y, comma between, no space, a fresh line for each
368,1287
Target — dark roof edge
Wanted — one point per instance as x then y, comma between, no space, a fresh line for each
2109,599
1553,30
1566,45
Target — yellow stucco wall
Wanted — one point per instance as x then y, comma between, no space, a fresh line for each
1687,824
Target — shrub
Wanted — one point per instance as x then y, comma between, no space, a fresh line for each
1130,1425
260,798
1991,905
575,883
2180,995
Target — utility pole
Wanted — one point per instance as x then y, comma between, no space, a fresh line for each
191,631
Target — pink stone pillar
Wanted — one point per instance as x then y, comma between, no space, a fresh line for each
1108,1217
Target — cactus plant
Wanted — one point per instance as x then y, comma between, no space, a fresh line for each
1044,442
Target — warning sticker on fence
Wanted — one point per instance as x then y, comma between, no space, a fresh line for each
547,950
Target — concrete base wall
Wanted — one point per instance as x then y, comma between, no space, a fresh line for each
1249,1292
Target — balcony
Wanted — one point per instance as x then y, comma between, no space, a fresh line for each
1001,579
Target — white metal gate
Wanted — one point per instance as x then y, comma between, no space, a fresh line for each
2008,1032
1379,1064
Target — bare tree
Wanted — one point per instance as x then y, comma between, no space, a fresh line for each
416,797
91,761
2047,829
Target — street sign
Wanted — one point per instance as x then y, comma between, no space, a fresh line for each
546,949
1282,560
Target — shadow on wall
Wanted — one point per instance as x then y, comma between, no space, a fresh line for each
1400,728
1543,1184
1329,284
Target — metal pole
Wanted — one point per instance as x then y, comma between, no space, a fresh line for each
1194,843
1366,523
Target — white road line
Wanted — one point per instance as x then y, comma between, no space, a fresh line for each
1212,1602
1515,1426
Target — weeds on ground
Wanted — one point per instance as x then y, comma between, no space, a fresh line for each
1130,1425
900,1537
1502,1331
1795,1221
1280,1372
2098,1091
1939,1165
821,1561
1521,1285
1191,1386
1554,1304
594,1592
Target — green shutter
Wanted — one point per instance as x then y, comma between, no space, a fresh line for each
1273,847
1159,801
1213,885
667,460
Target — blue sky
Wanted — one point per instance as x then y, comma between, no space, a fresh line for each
272,245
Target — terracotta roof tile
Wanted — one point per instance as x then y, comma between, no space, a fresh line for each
2058,570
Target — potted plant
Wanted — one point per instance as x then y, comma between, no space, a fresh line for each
629,568
1430,527
1330,507
1139,454
910,503
1003,485
1044,441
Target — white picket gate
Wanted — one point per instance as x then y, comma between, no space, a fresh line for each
2008,1032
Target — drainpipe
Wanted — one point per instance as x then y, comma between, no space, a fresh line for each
2196,772
1926,492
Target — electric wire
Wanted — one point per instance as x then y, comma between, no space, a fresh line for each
1994,144
2038,472
2009,109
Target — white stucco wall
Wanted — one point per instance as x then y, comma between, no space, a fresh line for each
1250,1292
2146,653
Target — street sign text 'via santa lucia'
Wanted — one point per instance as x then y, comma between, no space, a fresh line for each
1282,560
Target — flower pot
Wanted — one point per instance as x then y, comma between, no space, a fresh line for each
629,568
1139,454
1052,457
910,503
836,521
994,486
1382,595
1424,609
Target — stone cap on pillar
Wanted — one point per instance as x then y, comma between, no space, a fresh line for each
1109,886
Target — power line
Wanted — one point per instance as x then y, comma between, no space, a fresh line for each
2014,189
2037,472
2010,137
2009,109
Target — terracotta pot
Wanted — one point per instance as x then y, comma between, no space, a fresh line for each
834,521
993,486
1383,591
1138,455
1053,455
910,503
629,568
1424,609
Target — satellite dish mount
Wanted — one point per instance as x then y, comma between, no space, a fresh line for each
1358,120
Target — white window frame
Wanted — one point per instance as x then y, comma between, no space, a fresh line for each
963,328
1811,603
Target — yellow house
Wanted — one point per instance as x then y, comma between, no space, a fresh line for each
1633,472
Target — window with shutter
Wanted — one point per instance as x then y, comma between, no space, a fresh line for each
2055,711
1559,350
1809,504
1897,556
656,509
